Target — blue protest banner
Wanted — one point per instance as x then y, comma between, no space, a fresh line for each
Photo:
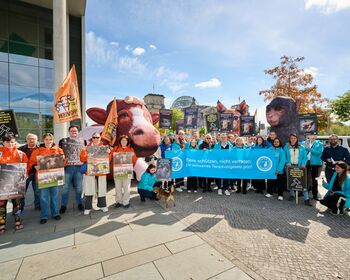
230,164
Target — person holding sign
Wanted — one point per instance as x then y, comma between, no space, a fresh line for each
94,182
296,156
10,154
122,184
338,195
50,193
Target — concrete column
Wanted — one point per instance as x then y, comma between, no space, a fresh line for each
83,88
60,55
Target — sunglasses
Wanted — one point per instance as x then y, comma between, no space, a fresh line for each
95,137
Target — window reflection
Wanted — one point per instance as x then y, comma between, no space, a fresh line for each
3,23
23,75
4,56
46,100
23,30
23,54
46,57
24,97
4,97
4,72
46,77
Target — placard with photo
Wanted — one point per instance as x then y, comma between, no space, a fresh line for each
122,165
97,160
12,180
50,171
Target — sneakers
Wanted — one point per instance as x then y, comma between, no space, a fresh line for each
227,193
189,191
57,218
126,206
117,205
219,191
63,209
43,221
195,191
268,195
280,198
87,211
178,189
104,209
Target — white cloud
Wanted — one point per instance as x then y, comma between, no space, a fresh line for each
138,51
328,6
115,44
173,80
98,49
131,64
127,48
212,83
153,47
313,71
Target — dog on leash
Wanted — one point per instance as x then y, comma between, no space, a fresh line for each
166,195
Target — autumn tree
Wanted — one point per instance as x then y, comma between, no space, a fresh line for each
341,107
292,81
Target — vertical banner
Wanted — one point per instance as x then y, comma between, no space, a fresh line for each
50,171
191,116
296,178
307,124
164,169
122,166
247,126
165,118
97,160
109,131
226,122
67,102
179,125
212,122
8,123
12,180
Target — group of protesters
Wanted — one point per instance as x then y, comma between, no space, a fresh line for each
309,154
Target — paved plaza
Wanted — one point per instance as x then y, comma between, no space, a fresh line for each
205,236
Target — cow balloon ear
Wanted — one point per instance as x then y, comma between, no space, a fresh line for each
97,114
155,117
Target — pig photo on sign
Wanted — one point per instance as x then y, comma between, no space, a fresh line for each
281,114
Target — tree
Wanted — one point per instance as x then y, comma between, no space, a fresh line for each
178,114
341,107
294,82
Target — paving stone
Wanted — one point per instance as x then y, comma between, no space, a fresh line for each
184,244
200,262
8,270
36,244
68,259
150,219
91,272
153,236
135,259
234,273
147,271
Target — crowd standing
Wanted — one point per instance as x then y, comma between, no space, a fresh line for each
309,154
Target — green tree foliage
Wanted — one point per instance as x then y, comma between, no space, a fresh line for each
341,107
178,114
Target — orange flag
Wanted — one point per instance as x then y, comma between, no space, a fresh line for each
67,102
110,129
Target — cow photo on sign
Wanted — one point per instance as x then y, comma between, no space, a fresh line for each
247,126
97,160
50,171
165,118
122,165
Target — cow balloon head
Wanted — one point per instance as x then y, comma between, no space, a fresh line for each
238,110
134,120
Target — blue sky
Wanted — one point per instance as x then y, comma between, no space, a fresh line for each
211,49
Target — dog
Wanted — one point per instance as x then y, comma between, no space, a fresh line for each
167,195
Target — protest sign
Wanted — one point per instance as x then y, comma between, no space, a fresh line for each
191,115
247,126
212,122
179,125
122,166
296,178
8,123
165,118
226,122
50,171
307,124
12,180
164,167
72,148
97,160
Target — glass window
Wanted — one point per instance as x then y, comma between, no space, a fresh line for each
24,97
23,75
45,35
4,97
46,77
47,119
4,56
4,73
46,100
23,31
3,24
46,57
23,53
21,139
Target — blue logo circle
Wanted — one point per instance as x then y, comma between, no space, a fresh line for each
264,163
177,164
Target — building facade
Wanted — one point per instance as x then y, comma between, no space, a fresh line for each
154,102
39,42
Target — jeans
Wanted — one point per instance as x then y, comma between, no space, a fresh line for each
305,194
145,193
73,175
32,179
45,196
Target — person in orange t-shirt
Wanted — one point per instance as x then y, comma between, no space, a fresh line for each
51,193
122,186
10,154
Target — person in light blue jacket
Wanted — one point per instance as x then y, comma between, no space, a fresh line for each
314,149
146,184
280,182
338,195
259,184
296,156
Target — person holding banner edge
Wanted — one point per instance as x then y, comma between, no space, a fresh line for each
204,182
241,182
49,148
179,144
10,154
259,184
296,156
122,186
192,182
